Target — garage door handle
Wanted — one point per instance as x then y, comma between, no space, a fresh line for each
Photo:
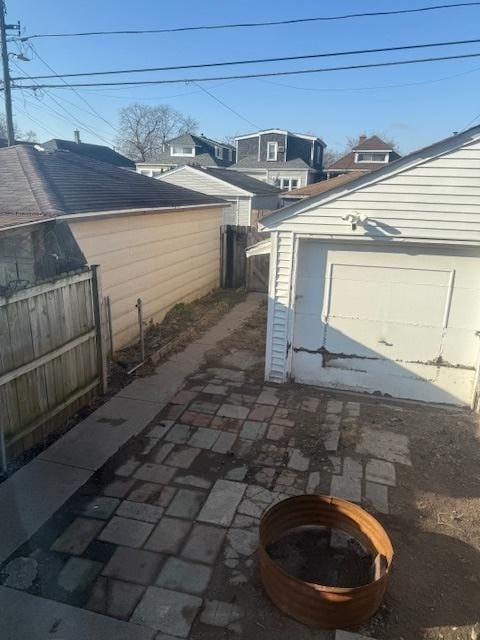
387,344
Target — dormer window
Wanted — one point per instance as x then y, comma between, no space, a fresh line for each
272,151
371,156
219,152
180,150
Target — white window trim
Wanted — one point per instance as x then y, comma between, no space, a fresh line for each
283,182
269,143
386,155
182,155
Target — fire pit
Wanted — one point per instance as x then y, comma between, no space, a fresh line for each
355,595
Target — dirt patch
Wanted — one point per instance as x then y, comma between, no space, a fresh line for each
312,554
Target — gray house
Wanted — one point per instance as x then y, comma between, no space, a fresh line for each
284,159
188,149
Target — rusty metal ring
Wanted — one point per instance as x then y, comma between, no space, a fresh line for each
319,606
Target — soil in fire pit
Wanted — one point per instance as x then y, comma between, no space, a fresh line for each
323,556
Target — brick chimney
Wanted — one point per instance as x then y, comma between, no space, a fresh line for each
76,136
361,139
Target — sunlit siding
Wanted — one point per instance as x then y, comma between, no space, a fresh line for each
162,258
438,199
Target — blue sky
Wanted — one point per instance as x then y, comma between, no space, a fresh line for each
435,98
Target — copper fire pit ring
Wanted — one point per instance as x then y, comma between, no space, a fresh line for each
318,606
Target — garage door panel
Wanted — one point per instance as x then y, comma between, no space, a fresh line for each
384,340
399,321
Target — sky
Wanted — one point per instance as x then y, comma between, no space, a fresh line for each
414,104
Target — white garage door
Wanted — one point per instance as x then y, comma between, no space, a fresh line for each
382,320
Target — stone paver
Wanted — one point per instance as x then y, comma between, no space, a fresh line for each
183,397
113,598
196,419
179,434
216,389
186,504
20,573
334,406
237,473
181,575
346,487
313,482
158,473
163,452
168,535
384,444
204,438
253,430
194,481
159,430
168,611
144,491
298,461
220,614
222,502
261,412
268,396
77,574
182,457
100,507
127,468
233,411
224,442
118,488
381,471
123,531
276,432
139,511
377,496
204,543
204,407
133,565
76,538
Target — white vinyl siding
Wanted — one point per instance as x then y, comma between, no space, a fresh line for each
436,200
279,302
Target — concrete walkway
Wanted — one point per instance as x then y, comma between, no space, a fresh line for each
33,494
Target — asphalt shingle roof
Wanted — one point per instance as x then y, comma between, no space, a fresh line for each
59,183
322,187
251,162
374,143
96,151
242,180
205,154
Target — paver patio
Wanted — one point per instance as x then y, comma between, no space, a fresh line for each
163,536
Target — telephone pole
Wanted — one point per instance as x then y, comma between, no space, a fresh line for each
6,72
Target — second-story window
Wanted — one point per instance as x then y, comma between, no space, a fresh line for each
219,152
180,150
371,156
272,150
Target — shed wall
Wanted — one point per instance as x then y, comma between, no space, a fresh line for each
162,258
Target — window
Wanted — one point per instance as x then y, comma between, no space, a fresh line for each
371,156
219,152
319,154
286,184
179,150
272,150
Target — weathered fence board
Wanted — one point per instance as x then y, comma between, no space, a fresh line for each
237,270
50,352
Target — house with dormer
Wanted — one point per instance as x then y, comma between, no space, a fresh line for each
279,157
369,154
188,149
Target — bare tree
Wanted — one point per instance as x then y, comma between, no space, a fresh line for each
352,141
143,129
330,156
27,136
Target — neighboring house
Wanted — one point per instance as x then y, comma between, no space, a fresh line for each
188,149
284,159
368,155
95,151
249,199
152,240
374,286
316,188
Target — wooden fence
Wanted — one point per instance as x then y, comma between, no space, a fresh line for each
52,355
236,269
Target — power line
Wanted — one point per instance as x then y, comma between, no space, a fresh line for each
77,93
257,60
393,63
269,23
74,120
226,106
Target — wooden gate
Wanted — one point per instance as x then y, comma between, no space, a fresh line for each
236,269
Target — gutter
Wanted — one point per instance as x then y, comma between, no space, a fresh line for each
145,211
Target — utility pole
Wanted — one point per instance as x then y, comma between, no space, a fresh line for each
6,73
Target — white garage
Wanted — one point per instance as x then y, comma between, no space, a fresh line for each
375,286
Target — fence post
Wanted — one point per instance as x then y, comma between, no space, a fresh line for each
139,306
110,325
99,325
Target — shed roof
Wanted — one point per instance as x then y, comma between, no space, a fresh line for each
242,180
57,183
316,188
